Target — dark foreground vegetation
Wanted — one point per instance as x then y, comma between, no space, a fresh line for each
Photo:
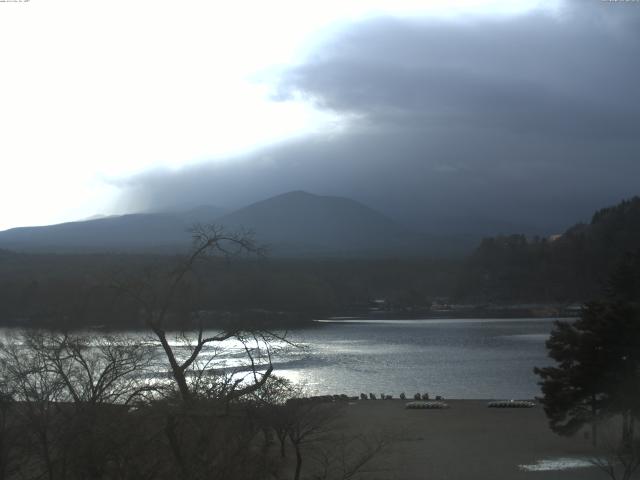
87,407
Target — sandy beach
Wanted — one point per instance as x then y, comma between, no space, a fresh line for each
466,441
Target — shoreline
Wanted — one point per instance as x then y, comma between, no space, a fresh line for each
292,320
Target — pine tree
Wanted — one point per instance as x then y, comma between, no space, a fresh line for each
597,371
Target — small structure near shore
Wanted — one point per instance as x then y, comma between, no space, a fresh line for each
511,404
421,405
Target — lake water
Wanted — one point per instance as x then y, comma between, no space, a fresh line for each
455,358
474,358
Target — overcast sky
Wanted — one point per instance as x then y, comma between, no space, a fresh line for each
525,112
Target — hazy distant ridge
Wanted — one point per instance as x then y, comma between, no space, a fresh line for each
134,232
292,224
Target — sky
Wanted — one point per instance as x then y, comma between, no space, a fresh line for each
515,114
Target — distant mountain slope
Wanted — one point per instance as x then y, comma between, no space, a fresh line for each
291,224
156,232
571,266
300,223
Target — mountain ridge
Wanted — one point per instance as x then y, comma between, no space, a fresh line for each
303,223
295,223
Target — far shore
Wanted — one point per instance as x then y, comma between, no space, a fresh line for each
464,312
272,320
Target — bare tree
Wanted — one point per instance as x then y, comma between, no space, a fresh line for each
307,421
618,457
72,393
158,297
268,406
342,457
194,428
38,391
315,431
94,369
9,428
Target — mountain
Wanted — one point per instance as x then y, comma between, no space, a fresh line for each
299,223
291,224
151,232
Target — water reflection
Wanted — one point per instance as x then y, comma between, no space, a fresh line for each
470,358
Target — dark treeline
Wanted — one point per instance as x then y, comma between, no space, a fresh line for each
72,290
572,267
75,290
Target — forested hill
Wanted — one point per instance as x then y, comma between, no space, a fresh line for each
569,267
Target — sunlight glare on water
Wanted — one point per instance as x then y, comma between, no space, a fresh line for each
468,358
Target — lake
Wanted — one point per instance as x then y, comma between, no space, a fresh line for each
471,358
467,359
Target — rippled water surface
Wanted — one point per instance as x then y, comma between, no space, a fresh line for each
473,358
455,358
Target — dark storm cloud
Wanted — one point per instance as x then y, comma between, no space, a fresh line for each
482,124
573,75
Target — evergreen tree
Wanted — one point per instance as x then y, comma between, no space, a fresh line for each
597,372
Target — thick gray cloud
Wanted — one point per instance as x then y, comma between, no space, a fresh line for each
574,75
468,125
